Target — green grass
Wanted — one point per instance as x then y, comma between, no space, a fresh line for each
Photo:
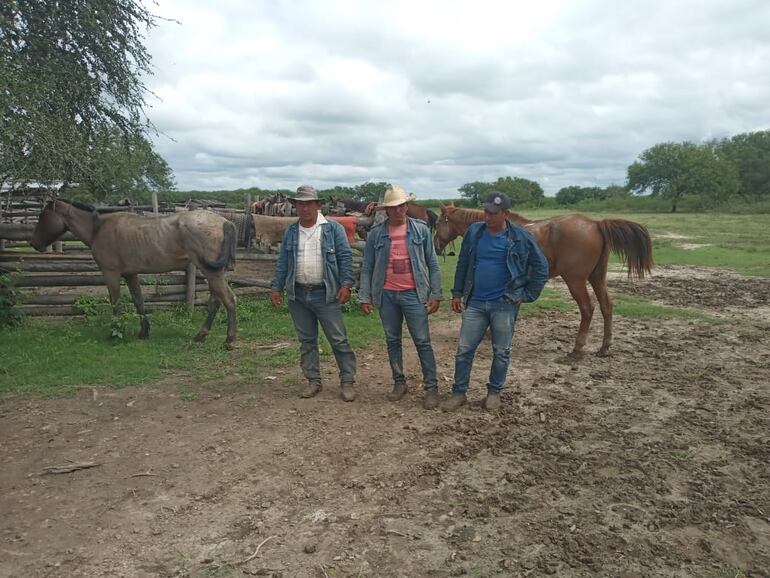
52,358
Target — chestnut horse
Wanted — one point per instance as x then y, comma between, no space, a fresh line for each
577,249
126,244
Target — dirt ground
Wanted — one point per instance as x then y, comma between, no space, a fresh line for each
654,461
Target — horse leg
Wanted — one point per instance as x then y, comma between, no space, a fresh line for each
113,289
218,287
213,309
579,290
599,283
136,295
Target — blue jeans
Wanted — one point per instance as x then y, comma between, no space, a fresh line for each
500,316
397,306
308,309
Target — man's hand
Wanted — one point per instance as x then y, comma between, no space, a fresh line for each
275,298
433,305
343,295
366,308
457,304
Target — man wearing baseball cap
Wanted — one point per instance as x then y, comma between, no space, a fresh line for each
499,267
315,267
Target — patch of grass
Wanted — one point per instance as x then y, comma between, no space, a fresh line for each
639,308
727,573
188,395
52,358
684,455
751,262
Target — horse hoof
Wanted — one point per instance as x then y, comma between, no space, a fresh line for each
200,338
603,352
144,335
230,345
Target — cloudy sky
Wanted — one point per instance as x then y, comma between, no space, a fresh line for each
435,94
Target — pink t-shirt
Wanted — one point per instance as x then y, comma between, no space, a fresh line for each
399,276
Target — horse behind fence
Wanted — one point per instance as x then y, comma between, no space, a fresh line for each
125,245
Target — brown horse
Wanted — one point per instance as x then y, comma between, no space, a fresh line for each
422,213
577,249
126,244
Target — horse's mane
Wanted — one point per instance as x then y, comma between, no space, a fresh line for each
83,206
474,215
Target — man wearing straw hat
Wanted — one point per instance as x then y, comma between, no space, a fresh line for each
315,267
401,277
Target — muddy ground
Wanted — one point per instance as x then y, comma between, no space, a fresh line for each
652,462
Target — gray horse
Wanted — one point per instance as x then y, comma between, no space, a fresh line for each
126,244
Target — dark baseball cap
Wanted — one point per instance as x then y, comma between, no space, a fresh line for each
496,202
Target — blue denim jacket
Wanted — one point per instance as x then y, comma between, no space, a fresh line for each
427,277
526,263
338,260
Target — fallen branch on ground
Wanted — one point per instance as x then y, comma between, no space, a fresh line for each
254,555
66,469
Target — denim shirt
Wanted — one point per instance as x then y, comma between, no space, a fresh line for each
425,270
526,264
336,255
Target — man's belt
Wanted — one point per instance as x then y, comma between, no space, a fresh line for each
310,286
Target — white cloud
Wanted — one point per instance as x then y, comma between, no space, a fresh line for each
435,94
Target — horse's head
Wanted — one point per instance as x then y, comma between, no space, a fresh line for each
50,226
444,231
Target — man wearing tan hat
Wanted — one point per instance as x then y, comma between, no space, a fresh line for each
400,276
315,267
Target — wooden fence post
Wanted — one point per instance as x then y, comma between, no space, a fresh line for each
155,201
190,296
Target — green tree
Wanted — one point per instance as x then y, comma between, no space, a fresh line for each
370,191
750,153
71,93
521,191
475,191
672,170
573,194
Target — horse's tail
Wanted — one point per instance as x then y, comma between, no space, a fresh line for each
226,259
631,242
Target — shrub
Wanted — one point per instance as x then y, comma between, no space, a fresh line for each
11,314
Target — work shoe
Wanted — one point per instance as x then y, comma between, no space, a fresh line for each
399,391
311,389
348,392
492,403
454,402
430,401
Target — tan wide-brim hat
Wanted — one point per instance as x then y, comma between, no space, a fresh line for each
395,196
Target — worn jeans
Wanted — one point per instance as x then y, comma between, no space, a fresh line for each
397,306
308,309
500,316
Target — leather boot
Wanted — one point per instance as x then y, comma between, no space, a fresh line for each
312,389
348,392
492,403
399,391
453,403
430,401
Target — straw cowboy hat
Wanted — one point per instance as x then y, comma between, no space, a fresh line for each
395,196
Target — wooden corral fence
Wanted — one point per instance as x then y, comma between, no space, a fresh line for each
56,282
